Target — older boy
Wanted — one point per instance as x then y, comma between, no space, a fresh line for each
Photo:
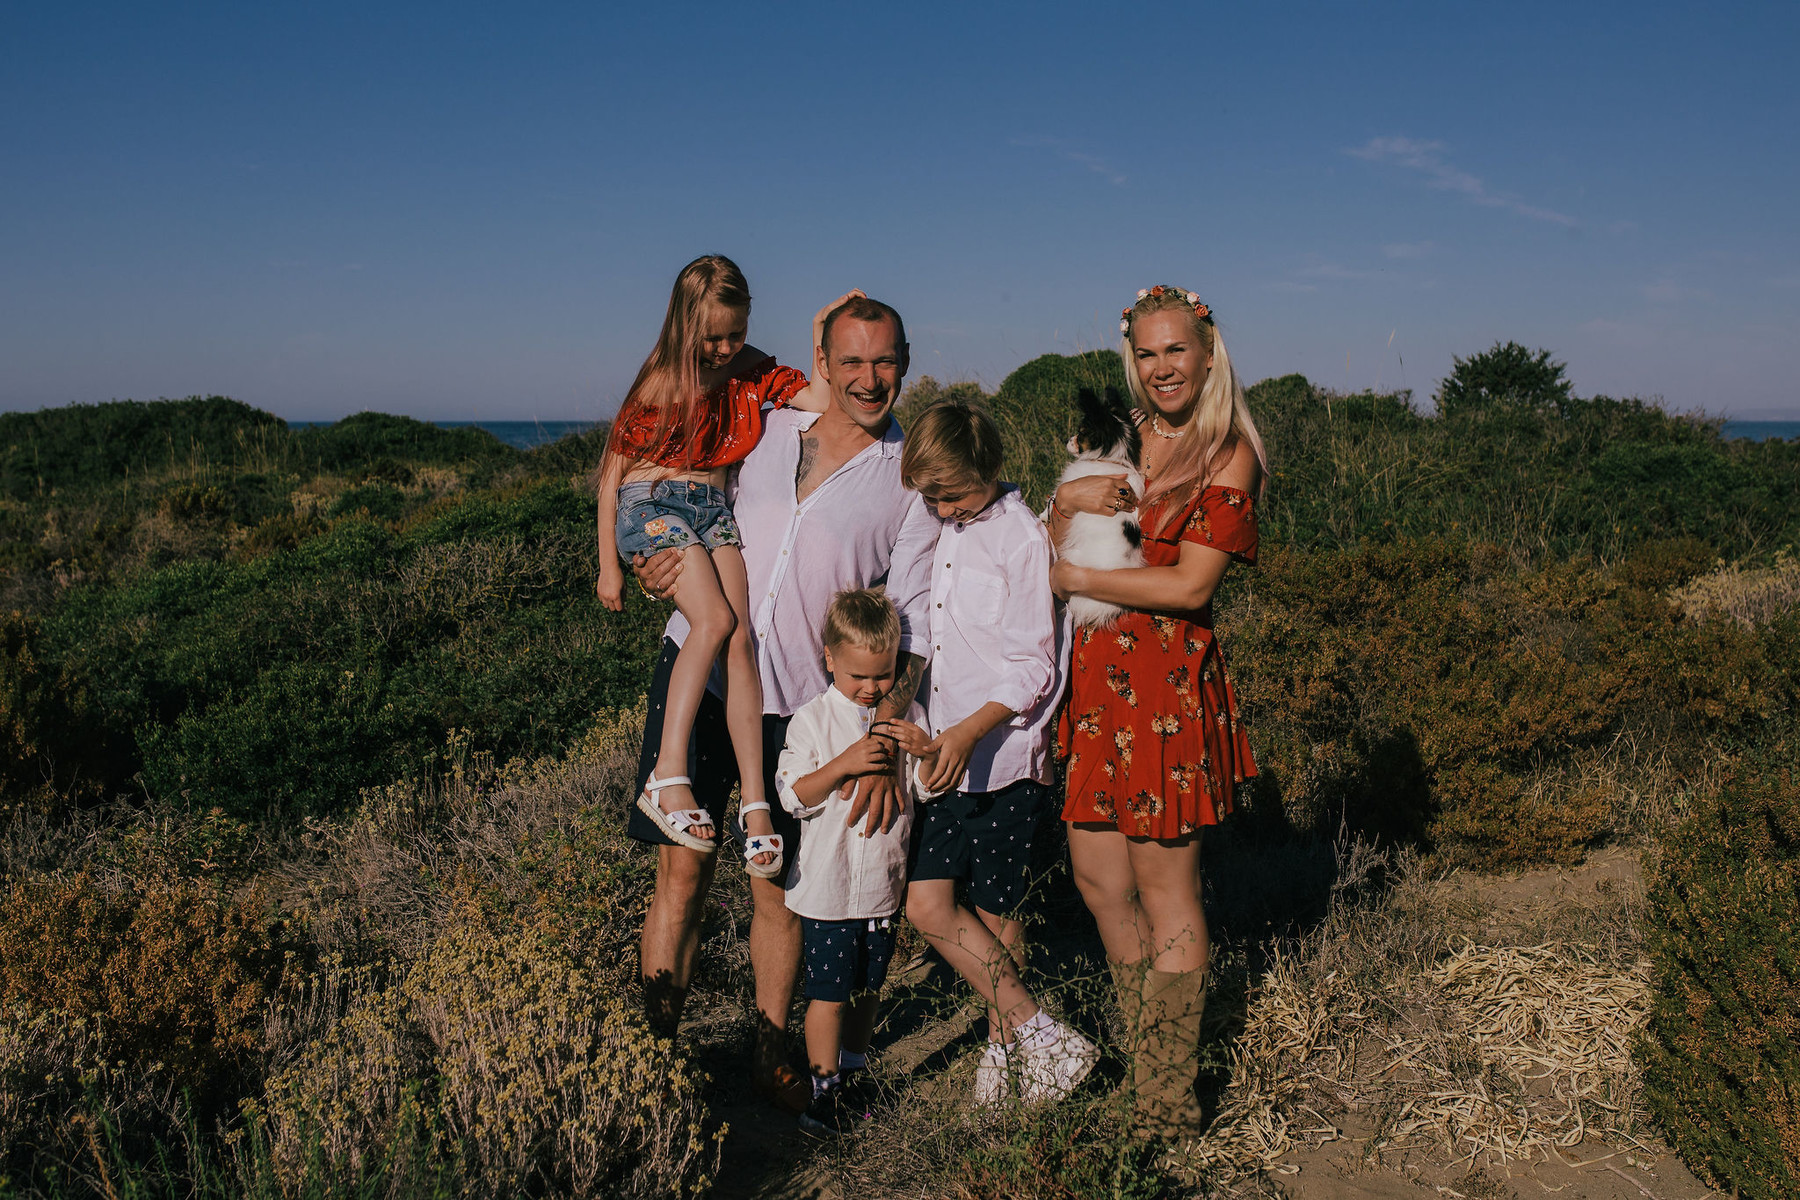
995,680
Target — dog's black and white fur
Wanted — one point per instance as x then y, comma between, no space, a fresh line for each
1106,442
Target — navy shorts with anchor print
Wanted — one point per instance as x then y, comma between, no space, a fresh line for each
845,959
985,838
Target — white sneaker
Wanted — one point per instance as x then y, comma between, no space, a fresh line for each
1056,1062
992,1085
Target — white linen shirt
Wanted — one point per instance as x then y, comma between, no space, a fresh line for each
841,875
994,637
857,528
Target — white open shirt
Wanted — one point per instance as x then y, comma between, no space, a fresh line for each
994,632
857,528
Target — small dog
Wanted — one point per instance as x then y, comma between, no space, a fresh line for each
1106,442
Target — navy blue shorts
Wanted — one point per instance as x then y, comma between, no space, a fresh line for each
985,838
673,514
845,959
712,765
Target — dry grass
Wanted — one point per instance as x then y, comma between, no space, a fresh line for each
1751,596
1390,1016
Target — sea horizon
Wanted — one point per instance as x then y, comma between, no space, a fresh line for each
530,434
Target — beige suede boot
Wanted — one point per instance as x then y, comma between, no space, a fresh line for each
1128,990
1168,1057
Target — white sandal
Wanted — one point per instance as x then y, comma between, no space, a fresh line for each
764,843
676,824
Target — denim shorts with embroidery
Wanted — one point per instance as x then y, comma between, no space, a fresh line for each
673,514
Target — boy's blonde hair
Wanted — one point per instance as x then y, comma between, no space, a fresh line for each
951,446
862,617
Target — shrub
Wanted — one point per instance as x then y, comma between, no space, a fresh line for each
61,1084
1506,374
368,441
175,978
1414,688
84,446
533,1079
1721,1055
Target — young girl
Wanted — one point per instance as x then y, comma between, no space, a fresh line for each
695,409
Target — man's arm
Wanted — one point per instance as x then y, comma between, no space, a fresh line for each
879,796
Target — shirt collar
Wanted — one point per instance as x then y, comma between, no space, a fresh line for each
846,703
1007,492
889,444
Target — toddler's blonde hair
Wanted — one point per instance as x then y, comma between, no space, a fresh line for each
862,617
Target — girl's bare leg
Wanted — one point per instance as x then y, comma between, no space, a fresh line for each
743,694
710,622
1101,857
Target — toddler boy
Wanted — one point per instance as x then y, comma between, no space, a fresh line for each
996,677
846,887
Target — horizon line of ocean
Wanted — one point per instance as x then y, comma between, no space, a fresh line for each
528,435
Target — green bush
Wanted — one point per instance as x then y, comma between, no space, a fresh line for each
371,442
284,683
1506,374
89,445
1721,1055
1413,688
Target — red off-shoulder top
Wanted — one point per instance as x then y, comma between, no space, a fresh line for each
718,429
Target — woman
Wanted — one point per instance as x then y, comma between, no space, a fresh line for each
1151,730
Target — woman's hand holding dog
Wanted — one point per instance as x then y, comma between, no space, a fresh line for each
1101,494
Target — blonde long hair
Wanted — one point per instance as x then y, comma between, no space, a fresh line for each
669,380
1220,413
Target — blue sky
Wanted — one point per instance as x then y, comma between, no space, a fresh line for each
476,212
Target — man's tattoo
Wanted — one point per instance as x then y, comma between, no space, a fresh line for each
809,454
906,686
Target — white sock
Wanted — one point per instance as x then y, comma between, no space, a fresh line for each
848,1061
1040,1029
823,1084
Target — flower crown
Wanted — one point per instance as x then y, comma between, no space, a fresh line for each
1201,310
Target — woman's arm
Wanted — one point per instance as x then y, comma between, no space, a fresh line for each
1187,585
611,585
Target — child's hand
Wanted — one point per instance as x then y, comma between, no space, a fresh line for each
819,317
953,749
867,756
611,586
910,737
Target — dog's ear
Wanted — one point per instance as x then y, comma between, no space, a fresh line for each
1087,403
1114,401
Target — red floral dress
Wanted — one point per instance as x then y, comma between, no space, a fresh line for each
718,429
1151,727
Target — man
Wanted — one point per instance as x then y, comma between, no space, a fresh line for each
821,509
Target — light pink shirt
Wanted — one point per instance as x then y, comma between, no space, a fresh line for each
859,527
994,637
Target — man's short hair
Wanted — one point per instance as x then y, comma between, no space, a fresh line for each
861,308
949,447
862,617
